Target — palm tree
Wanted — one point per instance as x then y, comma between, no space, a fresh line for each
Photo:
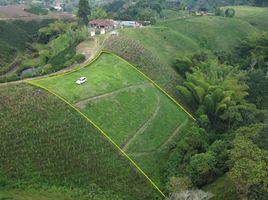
213,87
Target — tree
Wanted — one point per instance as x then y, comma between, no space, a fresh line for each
212,88
83,11
229,12
248,163
201,167
182,64
98,14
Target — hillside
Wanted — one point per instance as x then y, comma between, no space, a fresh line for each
15,39
154,48
45,142
121,135
256,16
131,110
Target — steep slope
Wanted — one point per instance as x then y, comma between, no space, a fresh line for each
256,16
134,112
153,49
44,141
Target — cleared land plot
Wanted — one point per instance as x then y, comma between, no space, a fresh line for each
153,49
14,11
129,108
121,101
43,140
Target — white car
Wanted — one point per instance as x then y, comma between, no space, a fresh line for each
81,80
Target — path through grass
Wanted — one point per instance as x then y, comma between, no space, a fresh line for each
123,103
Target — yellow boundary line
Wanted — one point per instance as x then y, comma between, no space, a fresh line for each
111,53
31,82
155,84
69,71
101,131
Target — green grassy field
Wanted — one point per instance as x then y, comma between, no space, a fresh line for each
131,110
44,141
53,193
256,16
212,33
154,48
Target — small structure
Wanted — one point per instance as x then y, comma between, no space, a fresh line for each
102,23
92,33
58,7
102,31
133,24
201,13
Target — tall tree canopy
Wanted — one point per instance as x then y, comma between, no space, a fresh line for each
83,11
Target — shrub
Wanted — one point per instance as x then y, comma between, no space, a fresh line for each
79,58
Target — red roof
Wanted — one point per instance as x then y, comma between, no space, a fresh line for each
102,22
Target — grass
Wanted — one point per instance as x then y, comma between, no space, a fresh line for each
104,75
112,113
132,111
15,39
222,188
256,16
160,40
16,194
212,33
149,63
44,141
153,49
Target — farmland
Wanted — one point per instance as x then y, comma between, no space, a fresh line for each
43,140
153,49
256,16
124,104
119,135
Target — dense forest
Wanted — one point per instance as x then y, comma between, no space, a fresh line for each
228,92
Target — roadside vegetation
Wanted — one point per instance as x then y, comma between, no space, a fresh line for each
41,48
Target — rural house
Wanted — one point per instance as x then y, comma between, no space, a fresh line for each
102,23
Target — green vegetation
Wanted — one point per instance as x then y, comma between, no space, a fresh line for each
83,11
212,33
51,144
145,60
37,10
15,40
43,47
215,65
227,92
153,49
256,16
131,110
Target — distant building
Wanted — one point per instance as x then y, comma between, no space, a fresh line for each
102,23
133,24
201,13
57,7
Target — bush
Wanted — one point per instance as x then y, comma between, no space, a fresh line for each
58,61
79,58
13,78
